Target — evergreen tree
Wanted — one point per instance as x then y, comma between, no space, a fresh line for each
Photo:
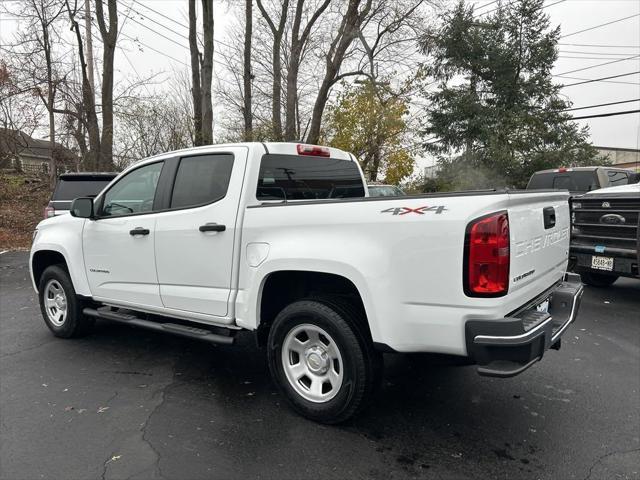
497,115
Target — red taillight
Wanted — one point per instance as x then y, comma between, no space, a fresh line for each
313,150
49,212
487,256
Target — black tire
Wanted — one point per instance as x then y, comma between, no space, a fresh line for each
598,279
362,365
74,324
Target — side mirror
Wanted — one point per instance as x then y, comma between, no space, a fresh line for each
82,207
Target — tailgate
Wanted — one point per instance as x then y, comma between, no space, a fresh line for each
539,229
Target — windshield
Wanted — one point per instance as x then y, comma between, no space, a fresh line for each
70,189
577,181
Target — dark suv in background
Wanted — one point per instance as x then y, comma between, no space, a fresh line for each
75,185
579,180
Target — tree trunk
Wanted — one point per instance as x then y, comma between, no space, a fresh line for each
298,42
277,90
88,113
246,75
207,72
50,103
278,33
109,38
347,32
196,92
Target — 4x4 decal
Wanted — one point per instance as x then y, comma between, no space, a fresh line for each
420,210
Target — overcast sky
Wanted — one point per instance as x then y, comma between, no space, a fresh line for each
571,15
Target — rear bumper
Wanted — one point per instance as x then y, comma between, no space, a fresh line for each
508,346
624,266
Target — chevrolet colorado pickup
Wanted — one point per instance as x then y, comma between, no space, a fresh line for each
280,239
605,237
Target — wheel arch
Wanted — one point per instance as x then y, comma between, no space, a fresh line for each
47,256
42,259
282,287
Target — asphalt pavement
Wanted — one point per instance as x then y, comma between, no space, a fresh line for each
132,404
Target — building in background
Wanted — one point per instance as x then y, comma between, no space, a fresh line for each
622,157
24,153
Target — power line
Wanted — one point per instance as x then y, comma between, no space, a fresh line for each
599,26
161,14
599,65
487,4
601,79
589,58
153,49
598,45
602,105
612,114
603,54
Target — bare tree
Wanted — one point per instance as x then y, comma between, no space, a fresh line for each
37,67
109,37
277,32
149,126
87,114
346,34
196,91
298,43
202,72
207,72
247,77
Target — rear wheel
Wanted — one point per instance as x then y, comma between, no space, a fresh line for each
598,279
322,359
60,306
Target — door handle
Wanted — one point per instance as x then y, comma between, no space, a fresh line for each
139,231
212,227
549,217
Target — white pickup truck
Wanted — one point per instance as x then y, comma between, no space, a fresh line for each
281,239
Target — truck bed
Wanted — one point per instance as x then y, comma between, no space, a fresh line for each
410,249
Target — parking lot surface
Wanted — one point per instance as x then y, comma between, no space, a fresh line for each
132,404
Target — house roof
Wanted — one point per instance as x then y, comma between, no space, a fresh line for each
18,142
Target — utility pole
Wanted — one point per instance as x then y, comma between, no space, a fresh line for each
89,59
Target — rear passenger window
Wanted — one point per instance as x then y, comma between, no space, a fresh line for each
294,177
201,179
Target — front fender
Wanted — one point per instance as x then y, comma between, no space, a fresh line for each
63,235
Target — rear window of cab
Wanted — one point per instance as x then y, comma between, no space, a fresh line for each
295,177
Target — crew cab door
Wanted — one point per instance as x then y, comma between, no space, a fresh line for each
118,246
195,238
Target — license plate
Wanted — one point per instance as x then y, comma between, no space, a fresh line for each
602,263
543,307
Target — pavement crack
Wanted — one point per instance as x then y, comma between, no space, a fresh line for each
607,455
143,429
105,467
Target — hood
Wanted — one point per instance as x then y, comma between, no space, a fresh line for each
65,218
633,188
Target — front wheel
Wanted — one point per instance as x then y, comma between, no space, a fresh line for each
598,279
322,359
60,307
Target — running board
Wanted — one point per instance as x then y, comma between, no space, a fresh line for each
105,313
